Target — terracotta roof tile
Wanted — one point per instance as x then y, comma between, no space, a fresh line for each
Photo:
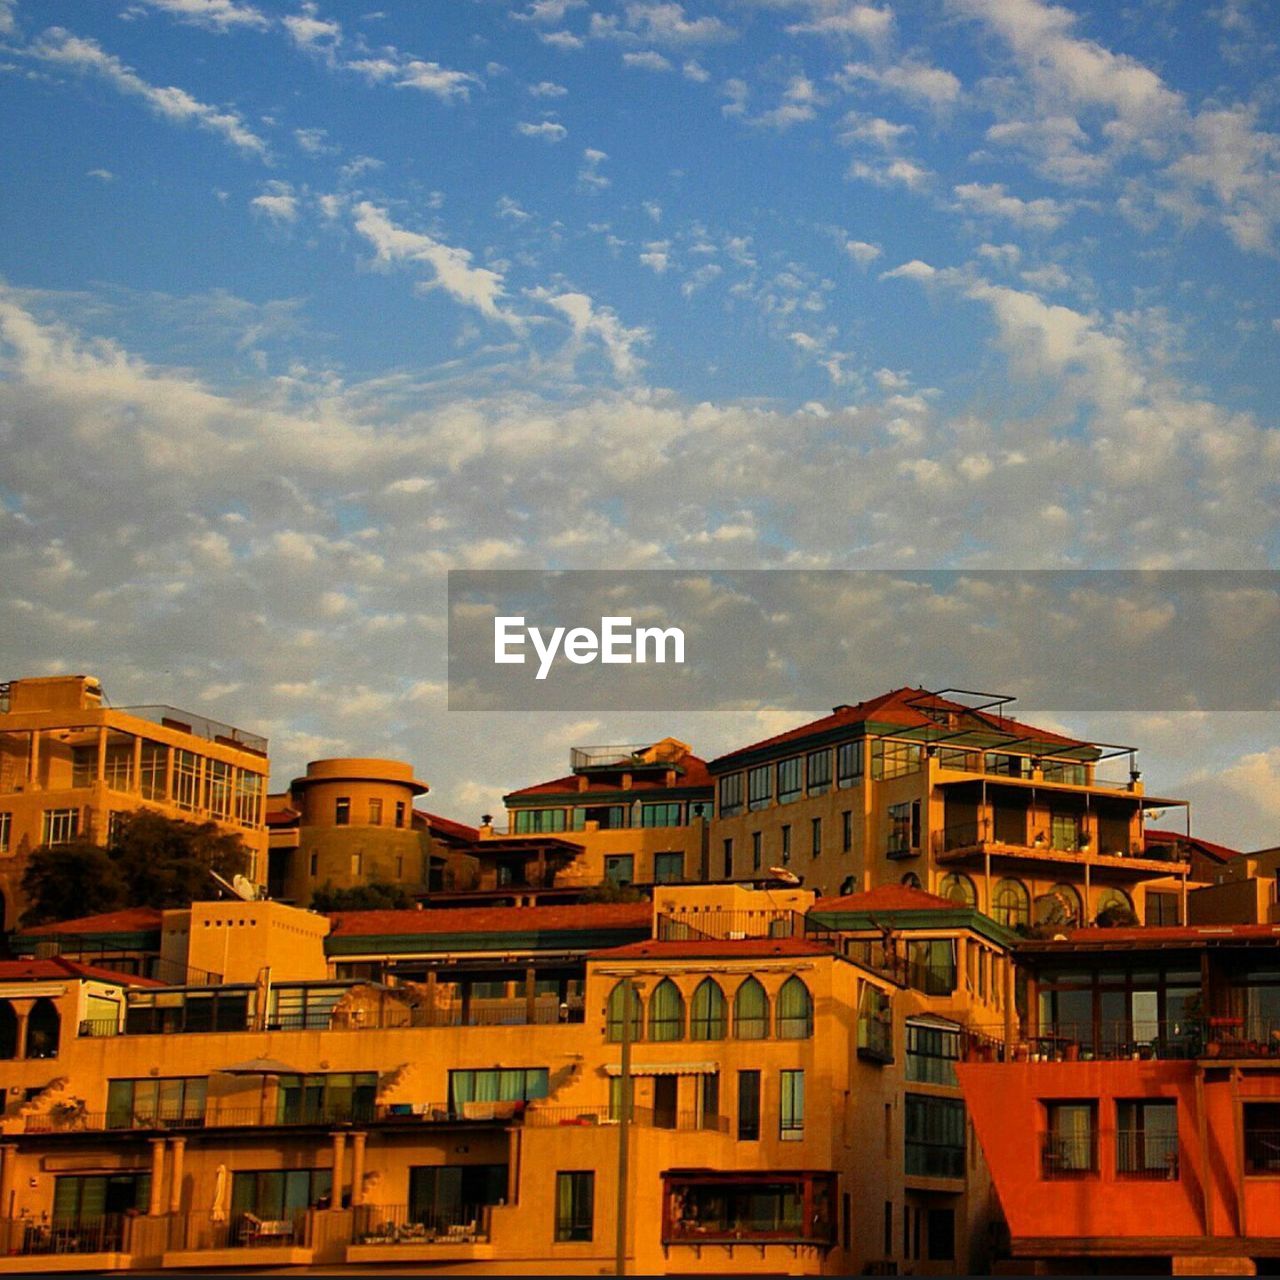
58,967
447,826
887,897
700,948
130,920
1218,852
695,775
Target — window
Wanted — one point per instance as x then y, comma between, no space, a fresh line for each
941,1227
760,787
1262,1137
816,827
375,811
848,763
904,828
731,795
666,1012
155,766
1163,908
750,1011
84,766
786,845
932,1052
448,1195
1071,1139
789,780
795,1011
791,1113
607,817
931,966
342,811
217,788
788,1208
660,815
1064,830
748,1106
400,813
999,762
709,1016
505,1084
818,772
357,864
757,851
668,868
620,868
888,1228
1147,1139
575,1205
186,779
60,826
934,1136
327,1098
728,859
875,1025
531,821
957,758
1011,904
614,1026
959,889
846,830
249,787
137,1103
1113,899
6,825
118,767
313,864
1064,771
88,1198
279,1193
895,759
1061,905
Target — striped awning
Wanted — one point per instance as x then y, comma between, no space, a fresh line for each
665,1068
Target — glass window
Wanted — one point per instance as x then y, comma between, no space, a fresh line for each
276,1193
895,759
666,1012
342,811
750,1011
1116,901
620,868
760,787
375,811
931,966
932,1052
1065,771
958,758
84,766
1064,830
249,790
88,1198
748,1106
846,830
60,826
174,1102
1262,1137
217,788
728,859
795,1010
6,825
614,1027
731,795
1147,1139
498,1084
575,1205
1008,766
818,772
668,868
186,779
786,845
155,767
1011,904
816,832
537,821
1061,905
791,1114
118,767
709,1012
789,777
666,814
934,1136
848,763
757,850
904,827
1163,908
959,889
1071,1139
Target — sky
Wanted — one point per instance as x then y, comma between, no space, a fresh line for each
304,304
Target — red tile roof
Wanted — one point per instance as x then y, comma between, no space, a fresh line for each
706,948
1216,852
695,775
130,920
58,967
590,915
901,707
1164,935
887,897
447,827
285,817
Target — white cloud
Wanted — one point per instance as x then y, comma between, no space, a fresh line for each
647,60
933,86
667,24
311,33
991,200
278,201
564,40
589,175
547,89
103,175
913,270
657,256
313,142
216,15
549,10
862,252
867,22
414,73
797,104
591,321
544,130
897,171
60,48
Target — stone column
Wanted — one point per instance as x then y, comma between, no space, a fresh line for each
100,774
156,1206
357,1168
339,1154
8,1173
22,1012
178,1150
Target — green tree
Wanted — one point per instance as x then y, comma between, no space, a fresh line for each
377,895
63,881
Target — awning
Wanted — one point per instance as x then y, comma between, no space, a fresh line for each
665,1068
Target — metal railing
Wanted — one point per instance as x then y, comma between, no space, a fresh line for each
539,1117
1177,1039
32,1237
401,1224
875,1038
620,754
724,926
1261,1150
1069,1155
196,1232
1144,1155
200,726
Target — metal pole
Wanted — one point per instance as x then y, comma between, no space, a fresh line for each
624,1128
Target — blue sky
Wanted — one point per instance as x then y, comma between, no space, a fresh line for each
303,304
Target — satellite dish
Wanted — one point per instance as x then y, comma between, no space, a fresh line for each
244,888
781,873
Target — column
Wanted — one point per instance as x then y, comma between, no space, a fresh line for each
136,788
357,1168
178,1147
21,1011
8,1172
154,1209
530,995
101,774
33,759
339,1154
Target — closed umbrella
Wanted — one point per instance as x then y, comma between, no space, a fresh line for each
218,1213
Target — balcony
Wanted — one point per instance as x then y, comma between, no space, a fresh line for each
875,1037
1225,1038
31,1244
757,1209
240,1241
965,841
1151,1157
1069,1156
401,1234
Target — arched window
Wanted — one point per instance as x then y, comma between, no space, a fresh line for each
1061,905
795,1011
709,1019
959,889
750,1012
44,1029
1113,899
623,991
1011,904
8,1031
666,1012
911,880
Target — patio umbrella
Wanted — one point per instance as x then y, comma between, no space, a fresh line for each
218,1213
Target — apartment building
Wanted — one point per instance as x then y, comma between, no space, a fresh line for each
769,1083
952,795
70,766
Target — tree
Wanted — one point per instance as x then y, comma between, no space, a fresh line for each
377,895
63,881
153,861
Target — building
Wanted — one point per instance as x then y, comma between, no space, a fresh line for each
70,766
955,797
1134,1124
769,1081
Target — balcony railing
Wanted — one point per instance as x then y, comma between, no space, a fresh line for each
31,1237
1186,1038
197,1232
1261,1150
539,1117
1072,1155
875,1038
1151,1156
402,1224
200,726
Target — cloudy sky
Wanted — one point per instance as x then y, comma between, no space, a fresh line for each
303,304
